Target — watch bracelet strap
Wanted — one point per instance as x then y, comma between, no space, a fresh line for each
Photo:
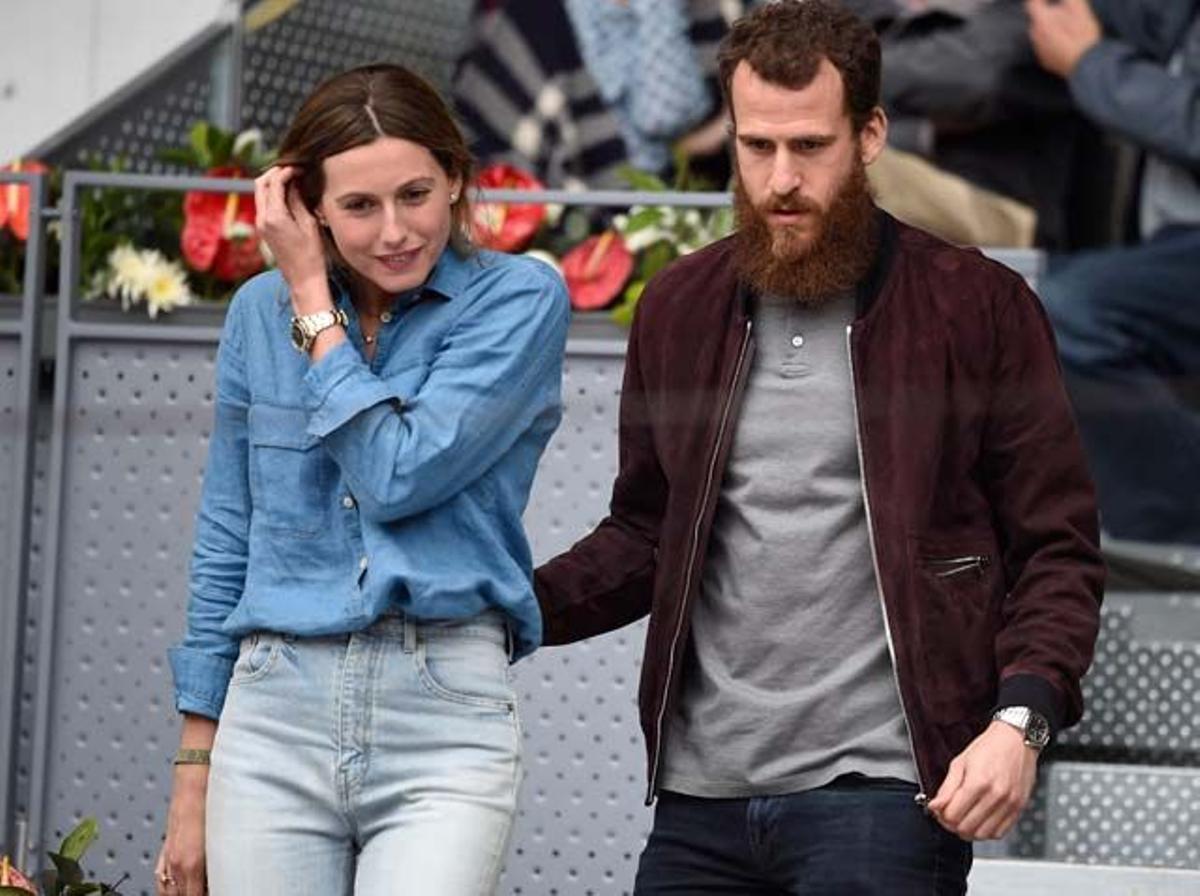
331,317
186,756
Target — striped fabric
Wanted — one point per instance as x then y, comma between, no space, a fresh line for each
525,96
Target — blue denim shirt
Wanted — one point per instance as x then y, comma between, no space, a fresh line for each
339,490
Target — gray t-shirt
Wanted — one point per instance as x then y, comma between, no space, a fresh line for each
788,681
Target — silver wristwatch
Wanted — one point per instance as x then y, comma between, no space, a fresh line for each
1031,724
306,327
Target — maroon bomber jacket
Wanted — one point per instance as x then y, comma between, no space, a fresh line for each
981,513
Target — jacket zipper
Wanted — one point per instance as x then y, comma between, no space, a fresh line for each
922,798
945,567
738,371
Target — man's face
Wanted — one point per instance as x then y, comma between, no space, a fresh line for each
802,197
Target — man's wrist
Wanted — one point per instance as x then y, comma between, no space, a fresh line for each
1031,724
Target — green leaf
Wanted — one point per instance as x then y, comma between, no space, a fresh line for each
623,313
683,169
199,140
656,258
69,871
177,155
220,145
647,217
76,843
13,891
82,889
642,180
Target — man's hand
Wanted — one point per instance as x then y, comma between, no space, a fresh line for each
1061,31
988,785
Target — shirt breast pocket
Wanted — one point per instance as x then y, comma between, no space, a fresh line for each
290,472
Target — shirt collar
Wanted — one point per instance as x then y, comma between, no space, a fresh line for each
448,280
451,275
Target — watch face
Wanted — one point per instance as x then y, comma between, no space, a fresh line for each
1037,730
298,335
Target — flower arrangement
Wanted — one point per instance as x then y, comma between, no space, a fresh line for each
15,221
66,877
157,251
153,248
142,276
660,234
508,227
218,236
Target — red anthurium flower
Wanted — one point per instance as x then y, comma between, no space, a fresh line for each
218,231
14,199
11,877
596,270
509,227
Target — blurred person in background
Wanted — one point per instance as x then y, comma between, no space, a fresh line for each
1128,318
1008,160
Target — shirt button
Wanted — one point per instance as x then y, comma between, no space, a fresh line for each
386,317
348,502
362,562
797,341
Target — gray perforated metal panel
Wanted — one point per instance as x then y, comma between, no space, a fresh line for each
135,441
144,118
37,540
316,38
11,436
581,822
1123,815
1143,693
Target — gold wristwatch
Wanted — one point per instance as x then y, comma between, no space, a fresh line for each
306,327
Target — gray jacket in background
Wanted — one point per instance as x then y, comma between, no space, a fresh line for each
1142,81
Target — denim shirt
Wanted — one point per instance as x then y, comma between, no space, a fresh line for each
340,490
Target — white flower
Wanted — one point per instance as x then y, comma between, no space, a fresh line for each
251,139
126,274
166,284
645,238
142,275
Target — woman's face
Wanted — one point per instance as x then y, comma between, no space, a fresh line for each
387,206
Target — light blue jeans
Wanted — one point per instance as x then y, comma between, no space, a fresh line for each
380,762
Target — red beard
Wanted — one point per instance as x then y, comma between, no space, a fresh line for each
779,261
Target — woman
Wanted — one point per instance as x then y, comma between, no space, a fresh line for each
361,578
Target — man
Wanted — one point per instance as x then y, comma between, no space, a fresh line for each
851,499
1128,318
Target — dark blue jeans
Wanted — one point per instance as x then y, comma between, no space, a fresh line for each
1127,322
854,837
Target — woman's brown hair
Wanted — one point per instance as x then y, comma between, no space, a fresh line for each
361,105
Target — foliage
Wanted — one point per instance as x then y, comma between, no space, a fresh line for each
659,234
66,877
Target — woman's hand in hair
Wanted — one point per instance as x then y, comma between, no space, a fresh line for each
294,238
